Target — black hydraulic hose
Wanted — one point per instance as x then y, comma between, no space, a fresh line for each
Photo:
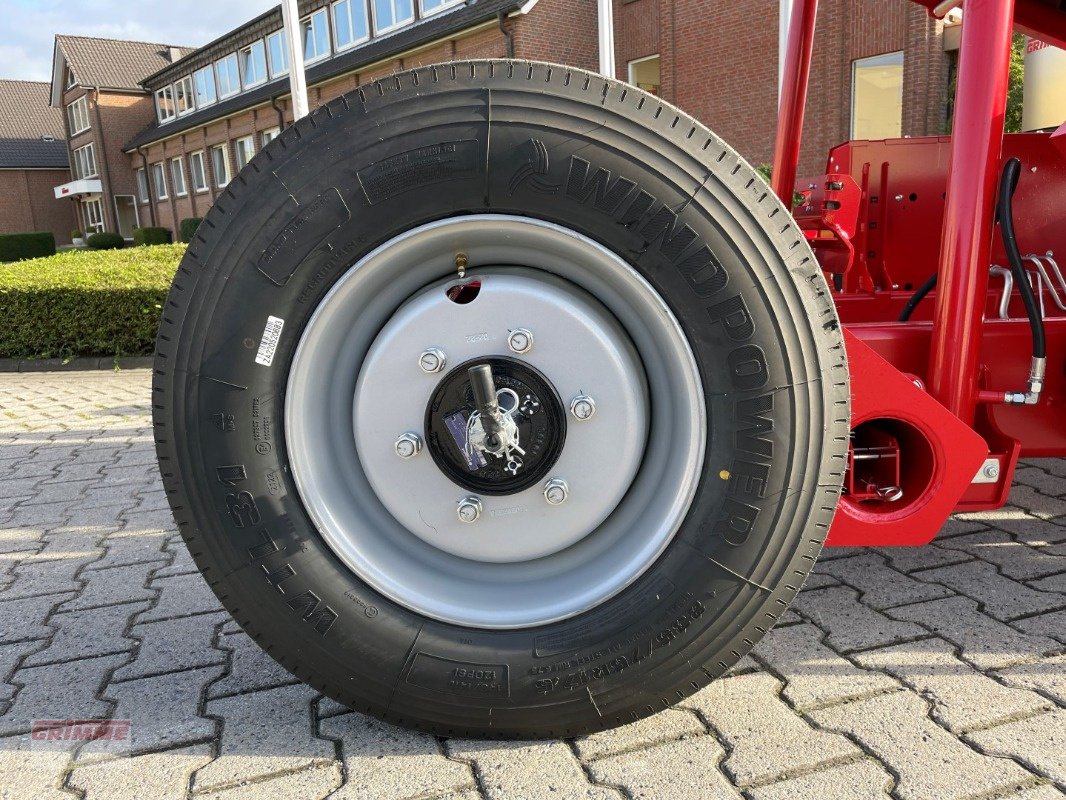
918,296
1008,182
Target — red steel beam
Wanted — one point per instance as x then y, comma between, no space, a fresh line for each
793,98
966,240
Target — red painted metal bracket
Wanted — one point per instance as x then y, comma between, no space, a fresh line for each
942,453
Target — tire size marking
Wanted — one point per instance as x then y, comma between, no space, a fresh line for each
268,345
459,677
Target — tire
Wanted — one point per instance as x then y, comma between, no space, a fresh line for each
254,412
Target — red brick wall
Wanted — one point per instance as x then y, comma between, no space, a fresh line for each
562,31
27,203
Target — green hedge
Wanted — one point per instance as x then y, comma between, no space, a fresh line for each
106,241
85,302
151,236
188,228
17,246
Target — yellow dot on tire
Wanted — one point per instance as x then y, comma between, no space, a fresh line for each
724,474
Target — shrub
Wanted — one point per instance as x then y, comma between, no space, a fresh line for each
17,246
106,241
75,234
188,228
85,302
151,236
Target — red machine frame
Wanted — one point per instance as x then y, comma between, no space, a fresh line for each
928,394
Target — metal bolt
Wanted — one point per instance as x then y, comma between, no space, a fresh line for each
992,471
408,445
583,407
556,491
469,509
520,341
432,360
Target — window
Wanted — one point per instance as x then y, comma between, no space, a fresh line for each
253,64
197,171
177,177
204,84
142,186
78,116
220,165
433,6
644,73
159,180
270,135
278,54
229,82
85,162
314,30
350,23
164,103
94,218
71,80
877,97
389,14
183,97
245,147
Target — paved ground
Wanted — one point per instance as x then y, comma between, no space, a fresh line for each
934,673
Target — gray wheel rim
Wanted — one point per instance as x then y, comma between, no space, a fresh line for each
329,466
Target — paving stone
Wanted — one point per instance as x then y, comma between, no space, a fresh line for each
767,739
83,634
111,587
819,579
880,585
1033,530
10,656
48,494
985,642
930,762
1037,503
1052,583
163,710
1015,559
385,762
251,669
863,779
173,645
25,619
316,781
814,674
181,596
1042,792
851,625
683,770
529,769
131,547
1000,597
1046,625
29,771
963,698
263,733
1039,742
58,691
1047,676
34,576
663,727
160,776
1040,480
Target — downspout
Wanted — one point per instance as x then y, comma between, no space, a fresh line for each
281,112
147,183
507,35
606,27
107,167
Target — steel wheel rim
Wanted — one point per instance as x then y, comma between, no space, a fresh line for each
329,471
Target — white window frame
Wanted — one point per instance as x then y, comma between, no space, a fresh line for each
395,25
143,192
184,85
250,49
337,46
78,112
159,104
218,76
83,157
267,136
249,144
282,49
644,60
95,227
159,171
71,80
209,71
445,4
895,58
194,159
219,184
322,13
177,176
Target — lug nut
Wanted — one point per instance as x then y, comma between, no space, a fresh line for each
556,491
469,509
408,445
582,407
520,341
432,360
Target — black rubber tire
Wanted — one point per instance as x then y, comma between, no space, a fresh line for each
754,305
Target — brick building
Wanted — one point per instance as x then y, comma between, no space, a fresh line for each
33,159
176,132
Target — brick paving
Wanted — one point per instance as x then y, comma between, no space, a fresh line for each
924,674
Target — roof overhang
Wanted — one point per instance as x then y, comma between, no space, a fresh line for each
58,61
77,188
